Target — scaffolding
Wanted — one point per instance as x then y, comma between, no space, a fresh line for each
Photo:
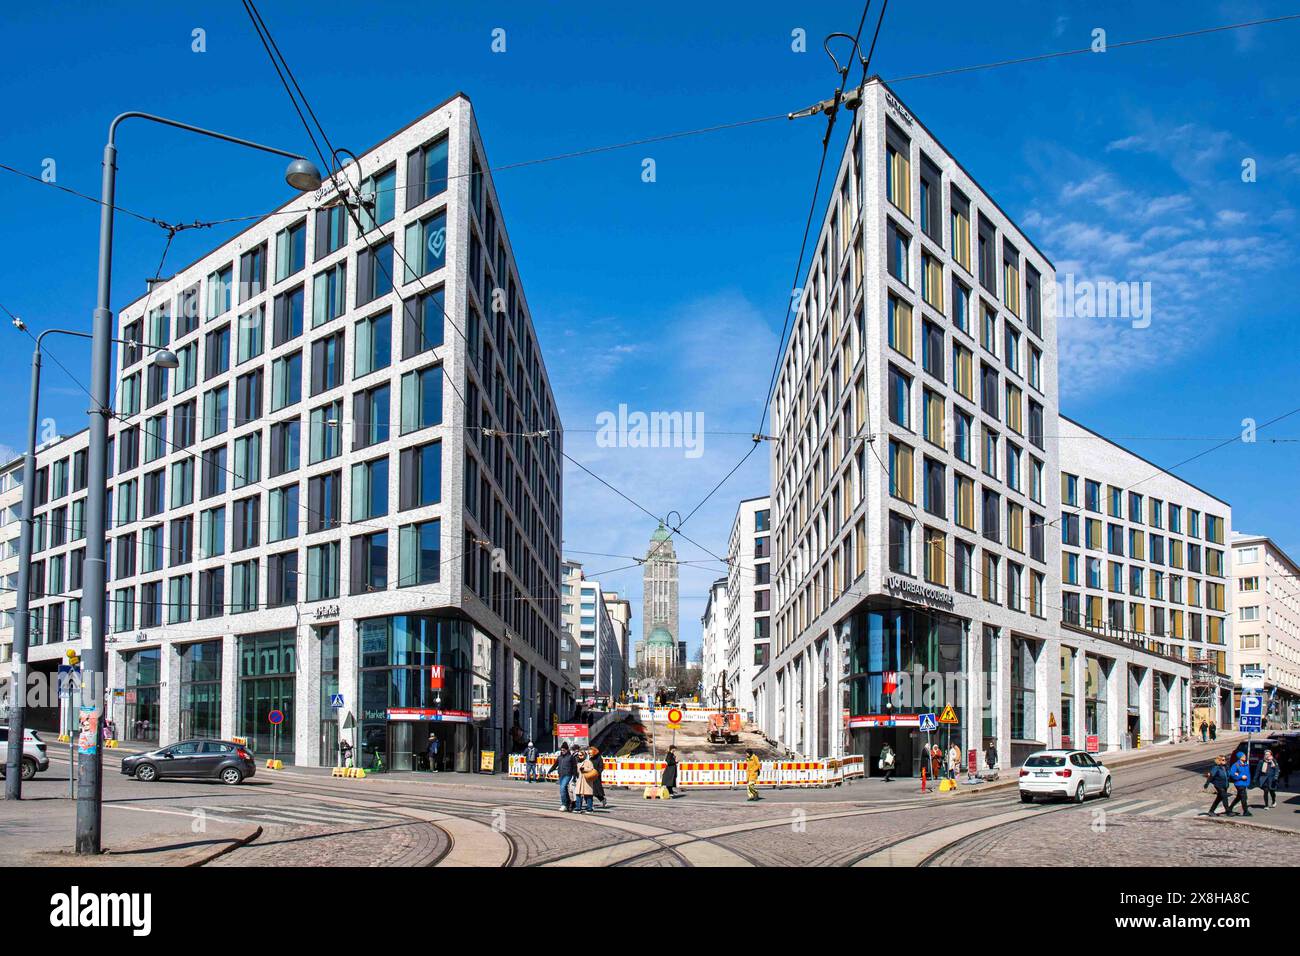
1205,689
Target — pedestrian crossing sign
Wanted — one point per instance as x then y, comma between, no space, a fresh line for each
949,716
928,723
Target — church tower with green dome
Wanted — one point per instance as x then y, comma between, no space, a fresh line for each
657,652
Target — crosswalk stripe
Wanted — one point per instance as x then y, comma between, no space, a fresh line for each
1120,806
1133,807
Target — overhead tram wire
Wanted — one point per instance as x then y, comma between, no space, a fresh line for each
573,154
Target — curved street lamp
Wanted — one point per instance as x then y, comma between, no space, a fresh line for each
301,175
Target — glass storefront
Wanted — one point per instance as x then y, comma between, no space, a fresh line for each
200,689
1024,689
1134,719
143,675
1161,708
424,678
268,663
328,636
902,662
1096,705
989,665
1068,656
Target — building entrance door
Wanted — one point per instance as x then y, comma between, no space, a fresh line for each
401,737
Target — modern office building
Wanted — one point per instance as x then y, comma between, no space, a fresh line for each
337,507
749,599
1144,557
713,643
1266,629
915,474
657,653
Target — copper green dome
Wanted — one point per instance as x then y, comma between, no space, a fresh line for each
660,534
660,635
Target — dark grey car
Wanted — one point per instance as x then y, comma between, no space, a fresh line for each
219,759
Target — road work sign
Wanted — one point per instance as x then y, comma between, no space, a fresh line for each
949,716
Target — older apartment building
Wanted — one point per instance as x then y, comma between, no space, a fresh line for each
915,475
749,600
713,643
1266,596
597,635
337,506
1144,557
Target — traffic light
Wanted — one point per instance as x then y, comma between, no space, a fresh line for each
74,658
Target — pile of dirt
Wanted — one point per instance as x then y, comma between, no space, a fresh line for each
692,743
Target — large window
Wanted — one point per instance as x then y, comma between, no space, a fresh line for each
426,246
290,250
143,677
421,398
267,669
329,294
426,172
421,476
419,557
422,326
200,702
373,343
370,489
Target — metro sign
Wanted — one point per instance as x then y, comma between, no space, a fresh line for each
436,674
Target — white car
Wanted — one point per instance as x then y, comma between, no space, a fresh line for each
34,758
1072,774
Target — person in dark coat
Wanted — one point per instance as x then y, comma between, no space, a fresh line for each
669,779
566,768
1218,779
1266,775
1205,731
1214,731
991,756
597,786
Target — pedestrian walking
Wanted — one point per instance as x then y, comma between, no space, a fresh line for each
991,756
433,752
530,764
886,762
1266,775
1218,779
1214,730
566,768
586,774
752,766
1205,731
954,761
936,762
1239,776
345,753
598,785
669,780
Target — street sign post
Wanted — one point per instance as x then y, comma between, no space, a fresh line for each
276,718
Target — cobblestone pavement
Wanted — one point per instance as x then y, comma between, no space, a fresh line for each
1160,825
310,819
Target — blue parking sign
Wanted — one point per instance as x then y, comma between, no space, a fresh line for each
1252,706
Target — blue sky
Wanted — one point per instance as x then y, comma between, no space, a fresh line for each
670,295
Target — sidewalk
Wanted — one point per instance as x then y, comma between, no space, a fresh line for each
40,832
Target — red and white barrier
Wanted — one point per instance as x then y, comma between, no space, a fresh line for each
715,774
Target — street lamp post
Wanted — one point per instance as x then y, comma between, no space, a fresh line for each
22,617
301,175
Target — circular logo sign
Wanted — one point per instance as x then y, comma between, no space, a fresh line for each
674,716
276,717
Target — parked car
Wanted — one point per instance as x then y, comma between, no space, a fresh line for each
228,762
34,759
1256,753
1071,774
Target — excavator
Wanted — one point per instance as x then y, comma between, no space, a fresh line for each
724,726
